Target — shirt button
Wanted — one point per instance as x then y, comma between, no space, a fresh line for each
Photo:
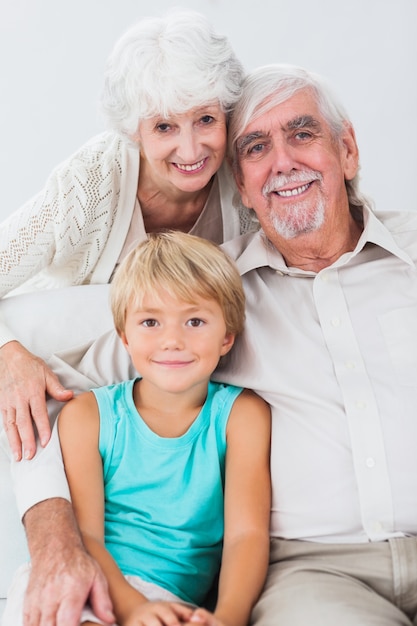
377,527
361,404
370,462
336,321
350,365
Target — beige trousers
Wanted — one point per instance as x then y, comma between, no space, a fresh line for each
343,584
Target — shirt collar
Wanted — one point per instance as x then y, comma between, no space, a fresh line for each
259,252
376,232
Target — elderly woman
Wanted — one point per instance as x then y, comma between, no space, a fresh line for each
169,85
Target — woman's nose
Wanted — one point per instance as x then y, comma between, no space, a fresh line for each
189,147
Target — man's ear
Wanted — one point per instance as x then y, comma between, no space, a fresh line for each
241,187
350,152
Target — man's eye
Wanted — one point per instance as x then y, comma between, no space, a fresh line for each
303,135
195,322
256,149
149,323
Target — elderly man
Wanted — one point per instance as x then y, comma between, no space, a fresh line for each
331,344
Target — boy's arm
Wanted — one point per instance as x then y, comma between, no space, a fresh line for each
78,427
247,510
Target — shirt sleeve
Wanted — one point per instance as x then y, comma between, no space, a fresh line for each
41,478
6,334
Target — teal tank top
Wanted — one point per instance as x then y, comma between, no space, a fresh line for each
164,496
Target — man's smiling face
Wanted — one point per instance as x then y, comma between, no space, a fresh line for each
293,169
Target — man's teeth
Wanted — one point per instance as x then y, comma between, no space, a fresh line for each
292,192
190,168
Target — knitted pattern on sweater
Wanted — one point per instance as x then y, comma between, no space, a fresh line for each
58,236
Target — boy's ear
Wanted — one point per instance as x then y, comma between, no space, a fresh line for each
123,338
228,342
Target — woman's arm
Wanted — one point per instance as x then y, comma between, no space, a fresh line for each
64,230
28,243
247,510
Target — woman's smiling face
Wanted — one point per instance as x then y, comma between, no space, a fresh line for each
184,150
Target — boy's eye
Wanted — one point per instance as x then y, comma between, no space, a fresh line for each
195,322
150,323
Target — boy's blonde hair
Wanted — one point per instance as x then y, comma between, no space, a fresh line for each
185,267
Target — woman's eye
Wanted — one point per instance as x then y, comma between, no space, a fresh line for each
195,322
163,127
207,119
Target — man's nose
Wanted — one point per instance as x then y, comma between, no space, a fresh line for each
283,158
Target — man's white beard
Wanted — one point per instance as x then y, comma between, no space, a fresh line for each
298,219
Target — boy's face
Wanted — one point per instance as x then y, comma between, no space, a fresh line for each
174,345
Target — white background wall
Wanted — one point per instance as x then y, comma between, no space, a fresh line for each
52,55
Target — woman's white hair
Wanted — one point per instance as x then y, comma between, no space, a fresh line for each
168,65
270,85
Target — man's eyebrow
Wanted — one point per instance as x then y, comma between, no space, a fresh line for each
303,121
244,141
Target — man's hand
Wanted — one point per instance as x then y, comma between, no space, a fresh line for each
24,382
63,575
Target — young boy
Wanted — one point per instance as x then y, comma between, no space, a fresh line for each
185,460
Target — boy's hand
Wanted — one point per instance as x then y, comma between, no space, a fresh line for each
159,614
202,617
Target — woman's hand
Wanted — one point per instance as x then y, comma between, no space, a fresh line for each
158,614
24,382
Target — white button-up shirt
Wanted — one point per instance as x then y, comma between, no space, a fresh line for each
335,354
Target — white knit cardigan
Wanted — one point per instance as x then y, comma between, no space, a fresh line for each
73,231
